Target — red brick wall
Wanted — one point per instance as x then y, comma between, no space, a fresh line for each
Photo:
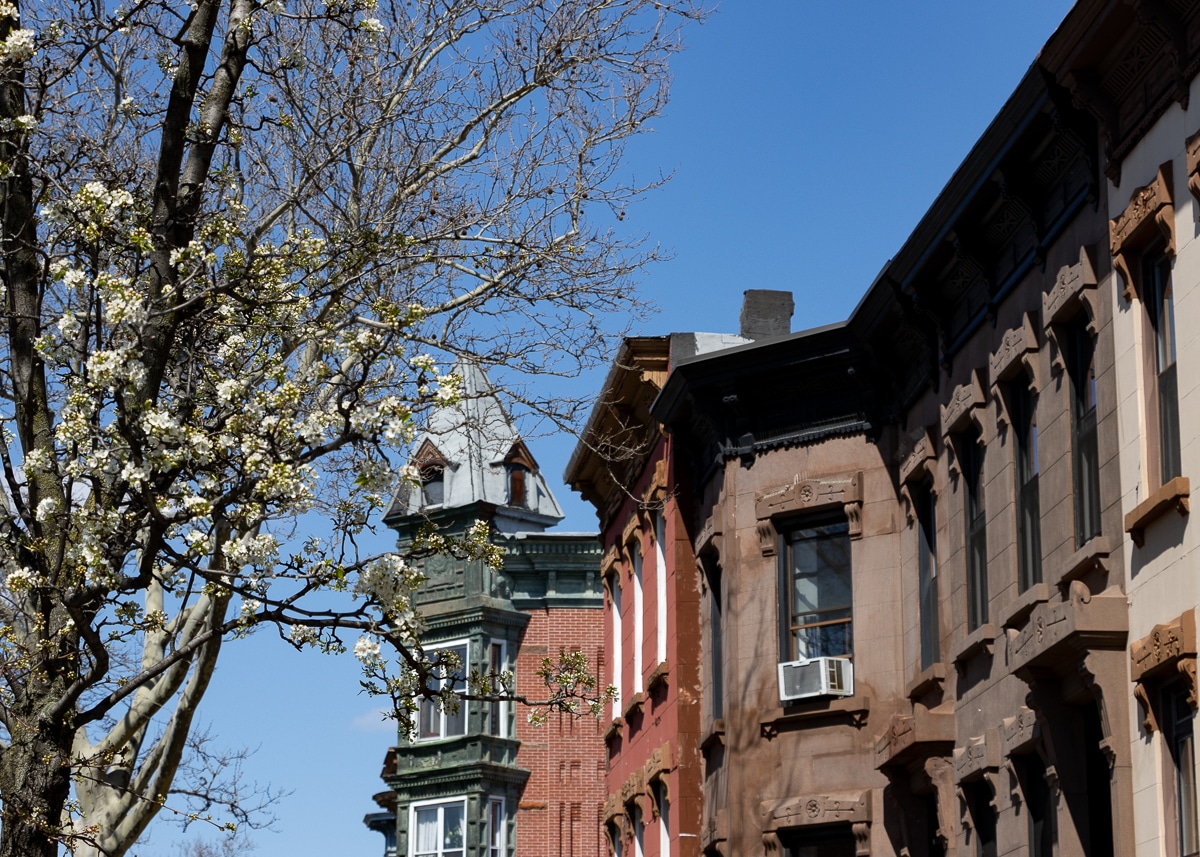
560,808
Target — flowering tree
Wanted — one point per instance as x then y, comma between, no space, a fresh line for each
233,235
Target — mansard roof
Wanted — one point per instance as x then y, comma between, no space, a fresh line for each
472,447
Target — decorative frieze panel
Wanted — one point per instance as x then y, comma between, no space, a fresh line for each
981,755
911,736
805,495
966,404
805,810
1019,733
1168,650
1151,212
1059,634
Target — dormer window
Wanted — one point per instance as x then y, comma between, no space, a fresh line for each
517,474
433,486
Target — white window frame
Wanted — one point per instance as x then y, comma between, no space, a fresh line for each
465,645
461,800
617,657
660,588
639,618
664,820
499,710
497,839
639,833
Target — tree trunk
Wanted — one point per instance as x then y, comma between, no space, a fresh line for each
35,781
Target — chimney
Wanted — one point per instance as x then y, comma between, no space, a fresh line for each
766,313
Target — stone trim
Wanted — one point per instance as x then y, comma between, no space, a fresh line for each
614,728
1176,495
967,406
1150,213
658,676
918,465
978,642
913,736
1169,649
1019,608
635,705
656,492
1075,287
927,680
630,535
856,709
1060,634
808,495
806,810
978,757
1018,351
1019,734
1093,554
655,770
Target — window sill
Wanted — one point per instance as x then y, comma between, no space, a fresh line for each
1086,558
1174,495
715,736
977,642
1019,610
614,728
659,676
635,705
929,679
800,714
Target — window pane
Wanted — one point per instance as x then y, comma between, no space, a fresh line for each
452,829
427,831
819,563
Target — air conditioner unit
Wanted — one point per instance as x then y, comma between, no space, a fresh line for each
816,677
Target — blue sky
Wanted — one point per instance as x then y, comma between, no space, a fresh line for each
806,141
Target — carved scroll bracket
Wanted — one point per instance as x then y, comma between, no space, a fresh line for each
1150,213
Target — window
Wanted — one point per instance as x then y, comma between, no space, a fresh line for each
927,579
496,830
639,833
517,495
970,451
639,619
497,710
716,640
433,486
1178,730
614,836
660,588
1025,466
434,722
664,819
1039,826
817,587
1085,453
437,829
617,659
983,819
1160,310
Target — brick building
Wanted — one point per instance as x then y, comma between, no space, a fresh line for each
483,781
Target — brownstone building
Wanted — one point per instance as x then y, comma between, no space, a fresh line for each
921,641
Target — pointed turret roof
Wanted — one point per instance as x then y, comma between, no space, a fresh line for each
475,451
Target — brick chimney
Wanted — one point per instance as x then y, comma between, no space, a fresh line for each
766,313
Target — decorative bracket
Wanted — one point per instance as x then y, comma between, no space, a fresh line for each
1151,212
1168,649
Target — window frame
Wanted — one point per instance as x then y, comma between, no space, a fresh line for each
1023,405
1179,774
789,649
637,567
497,835
498,710
1161,361
617,629
660,587
1085,448
440,804
924,501
972,458
463,712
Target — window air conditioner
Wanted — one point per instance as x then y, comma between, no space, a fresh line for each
816,677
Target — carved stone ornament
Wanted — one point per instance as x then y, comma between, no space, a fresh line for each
1019,733
656,492
608,562
1193,167
1168,650
1074,287
655,770
1058,634
1018,352
980,755
807,810
919,464
941,773
1151,212
910,736
862,838
965,406
631,535
804,495
708,539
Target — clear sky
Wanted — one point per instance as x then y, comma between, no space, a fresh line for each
806,140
